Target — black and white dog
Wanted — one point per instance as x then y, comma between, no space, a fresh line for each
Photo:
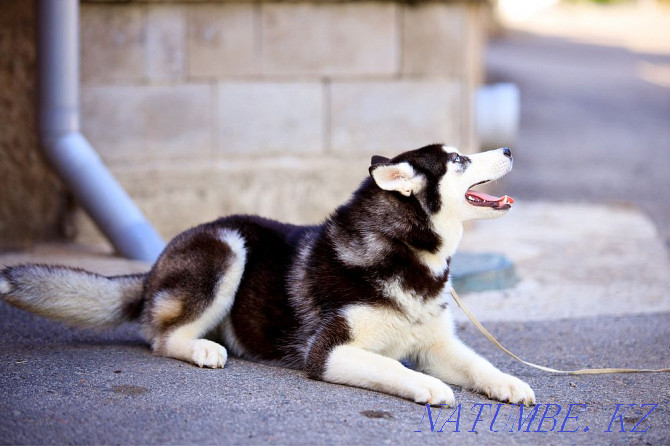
345,300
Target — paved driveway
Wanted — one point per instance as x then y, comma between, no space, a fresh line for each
595,118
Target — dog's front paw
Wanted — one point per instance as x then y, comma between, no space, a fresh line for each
507,388
207,353
433,391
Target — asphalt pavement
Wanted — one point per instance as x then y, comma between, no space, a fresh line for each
595,115
65,386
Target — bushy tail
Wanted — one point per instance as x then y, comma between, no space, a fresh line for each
73,295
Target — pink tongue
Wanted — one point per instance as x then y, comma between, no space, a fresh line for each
487,197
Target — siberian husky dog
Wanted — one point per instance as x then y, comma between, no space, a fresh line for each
345,301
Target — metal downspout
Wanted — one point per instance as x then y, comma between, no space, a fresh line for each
70,154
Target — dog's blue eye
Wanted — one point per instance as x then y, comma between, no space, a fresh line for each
457,159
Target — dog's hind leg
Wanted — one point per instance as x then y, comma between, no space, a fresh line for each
190,291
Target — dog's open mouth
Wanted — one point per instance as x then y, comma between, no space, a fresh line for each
476,198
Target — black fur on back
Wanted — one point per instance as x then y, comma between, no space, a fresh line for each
285,298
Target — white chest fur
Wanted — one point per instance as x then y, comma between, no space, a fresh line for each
400,333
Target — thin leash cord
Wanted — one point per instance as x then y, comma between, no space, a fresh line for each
491,338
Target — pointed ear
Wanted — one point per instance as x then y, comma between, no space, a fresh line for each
396,177
376,159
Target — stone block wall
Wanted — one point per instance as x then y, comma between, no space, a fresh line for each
34,204
207,108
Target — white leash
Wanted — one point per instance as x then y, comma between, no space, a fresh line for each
491,338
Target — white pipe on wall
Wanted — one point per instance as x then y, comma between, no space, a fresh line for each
70,154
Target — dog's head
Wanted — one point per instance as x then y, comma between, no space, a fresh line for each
440,179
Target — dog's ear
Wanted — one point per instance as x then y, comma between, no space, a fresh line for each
399,177
377,159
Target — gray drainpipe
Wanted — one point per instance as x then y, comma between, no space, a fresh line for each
70,154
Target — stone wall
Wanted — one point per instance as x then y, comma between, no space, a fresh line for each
34,205
208,108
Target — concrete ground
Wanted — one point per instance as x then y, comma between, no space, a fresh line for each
593,293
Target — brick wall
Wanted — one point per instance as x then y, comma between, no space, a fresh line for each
208,108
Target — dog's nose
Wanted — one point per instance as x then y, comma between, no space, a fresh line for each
507,152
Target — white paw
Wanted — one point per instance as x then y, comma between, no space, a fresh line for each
433,391
504,387
209,354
